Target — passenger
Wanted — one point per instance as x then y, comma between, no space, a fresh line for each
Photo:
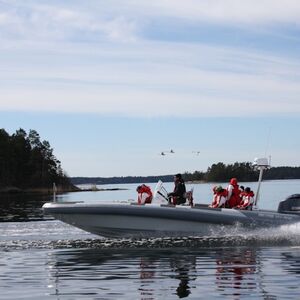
242,190
214,202
144,194
178,195
233,197
242,193
247,200
189,196
220,197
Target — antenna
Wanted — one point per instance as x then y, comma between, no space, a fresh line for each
262,164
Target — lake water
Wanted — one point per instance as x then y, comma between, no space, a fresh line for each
46,259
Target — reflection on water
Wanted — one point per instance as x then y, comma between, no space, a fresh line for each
167,274
294,260
184,269
234,267
25,207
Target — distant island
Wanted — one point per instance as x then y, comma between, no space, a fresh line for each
218,172
119,180
28,164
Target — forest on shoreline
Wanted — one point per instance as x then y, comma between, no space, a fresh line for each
28,164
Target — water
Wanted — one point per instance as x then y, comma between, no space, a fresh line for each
46,259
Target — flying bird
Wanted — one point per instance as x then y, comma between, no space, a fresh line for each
165,152
197,152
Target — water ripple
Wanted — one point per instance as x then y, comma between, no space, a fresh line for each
157,243
55,235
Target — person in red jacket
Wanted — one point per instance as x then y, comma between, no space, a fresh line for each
233,197
247,200
144,194
220,197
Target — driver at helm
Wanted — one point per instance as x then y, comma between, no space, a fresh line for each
178,195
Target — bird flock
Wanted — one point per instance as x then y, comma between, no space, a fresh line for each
163,153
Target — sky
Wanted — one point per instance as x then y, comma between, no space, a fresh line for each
112,84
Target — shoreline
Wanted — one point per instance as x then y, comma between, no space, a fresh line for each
100,190
49,191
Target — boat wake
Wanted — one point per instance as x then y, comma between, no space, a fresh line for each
286,235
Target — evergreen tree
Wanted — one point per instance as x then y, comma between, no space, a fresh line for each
5,159
28,162
242,171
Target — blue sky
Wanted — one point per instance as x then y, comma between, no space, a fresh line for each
111,84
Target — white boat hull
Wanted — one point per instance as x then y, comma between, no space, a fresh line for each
123,226
127,220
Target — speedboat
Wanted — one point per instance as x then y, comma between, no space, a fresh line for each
128,219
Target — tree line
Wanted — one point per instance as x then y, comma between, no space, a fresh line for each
221,172
244,171
26,162
120,180
218,172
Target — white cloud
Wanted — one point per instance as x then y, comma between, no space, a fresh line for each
144,103
43,69
120,20
228,11
4,18
56,22
181,81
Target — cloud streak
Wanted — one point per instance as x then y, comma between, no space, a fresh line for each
160,78
57,22
226,11
121,20
89,58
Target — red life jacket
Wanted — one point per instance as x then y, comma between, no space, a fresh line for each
242,194
248,201
147,190
234,199
217,198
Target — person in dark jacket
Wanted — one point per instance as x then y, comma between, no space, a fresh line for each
178,195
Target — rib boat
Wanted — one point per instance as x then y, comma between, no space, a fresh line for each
127,219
